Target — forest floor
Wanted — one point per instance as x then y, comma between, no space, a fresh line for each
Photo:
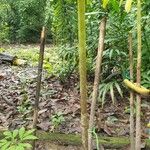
58,100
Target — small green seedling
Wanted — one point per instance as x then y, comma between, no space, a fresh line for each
94,134
57,120
24,108
17,139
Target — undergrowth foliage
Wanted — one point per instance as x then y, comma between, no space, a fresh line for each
21,21
109,88
17,139
68,61
64,21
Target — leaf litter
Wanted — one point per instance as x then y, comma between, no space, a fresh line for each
17,95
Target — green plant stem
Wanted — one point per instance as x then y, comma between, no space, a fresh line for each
83,72
97,140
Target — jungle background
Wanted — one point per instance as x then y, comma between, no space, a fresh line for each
21,22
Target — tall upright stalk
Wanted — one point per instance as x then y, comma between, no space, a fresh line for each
97,78
83,72
138,97
132,142
39,77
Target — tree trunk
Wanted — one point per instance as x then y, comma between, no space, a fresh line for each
138,97
96,80
82,71
132,142
39,77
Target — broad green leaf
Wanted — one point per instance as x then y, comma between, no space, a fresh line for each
12,147
21,132
6,146
15,133
101,89
89,2
111,53
3,142
20,147
105,3
8,134
128,5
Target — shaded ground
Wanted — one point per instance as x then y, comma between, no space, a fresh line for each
17,95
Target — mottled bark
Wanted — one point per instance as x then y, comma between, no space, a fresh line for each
39,77
132,142
83,72
138,97
97,78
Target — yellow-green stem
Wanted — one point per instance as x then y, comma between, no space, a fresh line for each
82,71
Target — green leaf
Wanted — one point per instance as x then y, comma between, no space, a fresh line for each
30,137
3,142
8,134
21,132
105,3
112,93
26,145
13,147
121,1
128,5
119,89
20,147
15,133
29,132
115,5
6,146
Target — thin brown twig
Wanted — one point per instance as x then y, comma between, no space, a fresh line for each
97,79
39,77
